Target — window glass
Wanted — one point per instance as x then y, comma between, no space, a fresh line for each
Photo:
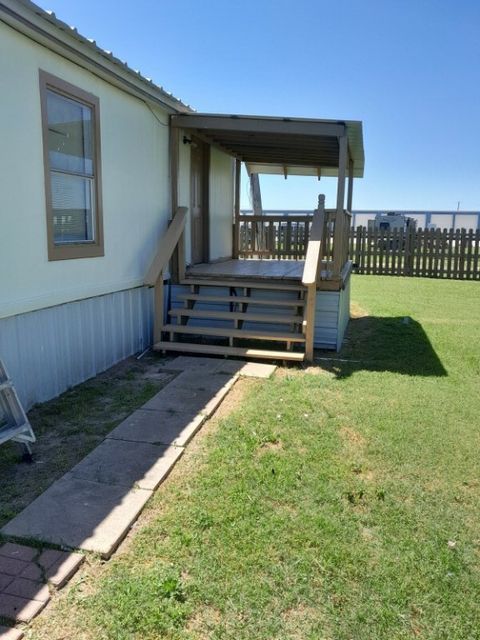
72,208
70,134
70,151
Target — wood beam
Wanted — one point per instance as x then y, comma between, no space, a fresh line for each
249,124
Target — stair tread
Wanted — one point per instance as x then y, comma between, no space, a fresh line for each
236,315
235,333
232,351
199,297
245,284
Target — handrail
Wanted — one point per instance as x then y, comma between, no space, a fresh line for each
310,275
167,246
245,217
314,247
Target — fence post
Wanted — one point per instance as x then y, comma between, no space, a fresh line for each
408,252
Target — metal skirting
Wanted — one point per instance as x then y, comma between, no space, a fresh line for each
50,350
331,317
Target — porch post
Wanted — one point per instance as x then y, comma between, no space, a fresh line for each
339,217
178,258
236,206
350,185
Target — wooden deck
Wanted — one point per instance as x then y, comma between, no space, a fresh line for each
246,269
276,271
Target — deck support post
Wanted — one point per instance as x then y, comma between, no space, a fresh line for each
339,217
236,221
158,310
350,185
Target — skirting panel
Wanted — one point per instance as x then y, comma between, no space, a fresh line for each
331,317
51,350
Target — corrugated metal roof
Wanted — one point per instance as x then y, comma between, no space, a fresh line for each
21,11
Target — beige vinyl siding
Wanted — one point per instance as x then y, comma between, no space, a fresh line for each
135,182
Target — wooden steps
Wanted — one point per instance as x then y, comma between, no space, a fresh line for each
212,314
273,285
235,333
236,315
240,352
264,302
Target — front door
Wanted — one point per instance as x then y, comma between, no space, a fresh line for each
198,202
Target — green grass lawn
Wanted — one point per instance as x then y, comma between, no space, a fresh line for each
339,503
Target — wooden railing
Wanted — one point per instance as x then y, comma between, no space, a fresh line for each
173,238
311,274
286,236
274,236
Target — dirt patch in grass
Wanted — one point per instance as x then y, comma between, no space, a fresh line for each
352,437
204,622
70,426
356,311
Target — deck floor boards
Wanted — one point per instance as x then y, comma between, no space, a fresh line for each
262,269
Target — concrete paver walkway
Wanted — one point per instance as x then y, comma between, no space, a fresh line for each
93,506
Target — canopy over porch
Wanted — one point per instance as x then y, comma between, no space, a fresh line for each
286,146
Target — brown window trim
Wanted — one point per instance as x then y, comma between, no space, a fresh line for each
74,250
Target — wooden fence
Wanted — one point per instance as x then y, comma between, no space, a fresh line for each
429,253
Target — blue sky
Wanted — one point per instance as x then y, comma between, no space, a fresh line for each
409,69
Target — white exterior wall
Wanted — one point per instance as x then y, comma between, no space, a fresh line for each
221,204
134,148
221,196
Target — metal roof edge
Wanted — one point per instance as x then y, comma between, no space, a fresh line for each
46,29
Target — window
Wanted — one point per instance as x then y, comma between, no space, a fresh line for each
71,143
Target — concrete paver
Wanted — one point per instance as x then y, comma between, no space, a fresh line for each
12,566
80,513
63,569
19,609
190,391
32,572
158,427
28,589
219,365
5,580
116,462
18,551
9,633
257,370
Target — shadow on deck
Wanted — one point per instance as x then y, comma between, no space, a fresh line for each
393,344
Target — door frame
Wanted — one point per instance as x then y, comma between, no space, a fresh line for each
205,159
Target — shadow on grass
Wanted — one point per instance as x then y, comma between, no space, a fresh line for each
394,344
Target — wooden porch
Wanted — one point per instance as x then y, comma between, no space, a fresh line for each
266,293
